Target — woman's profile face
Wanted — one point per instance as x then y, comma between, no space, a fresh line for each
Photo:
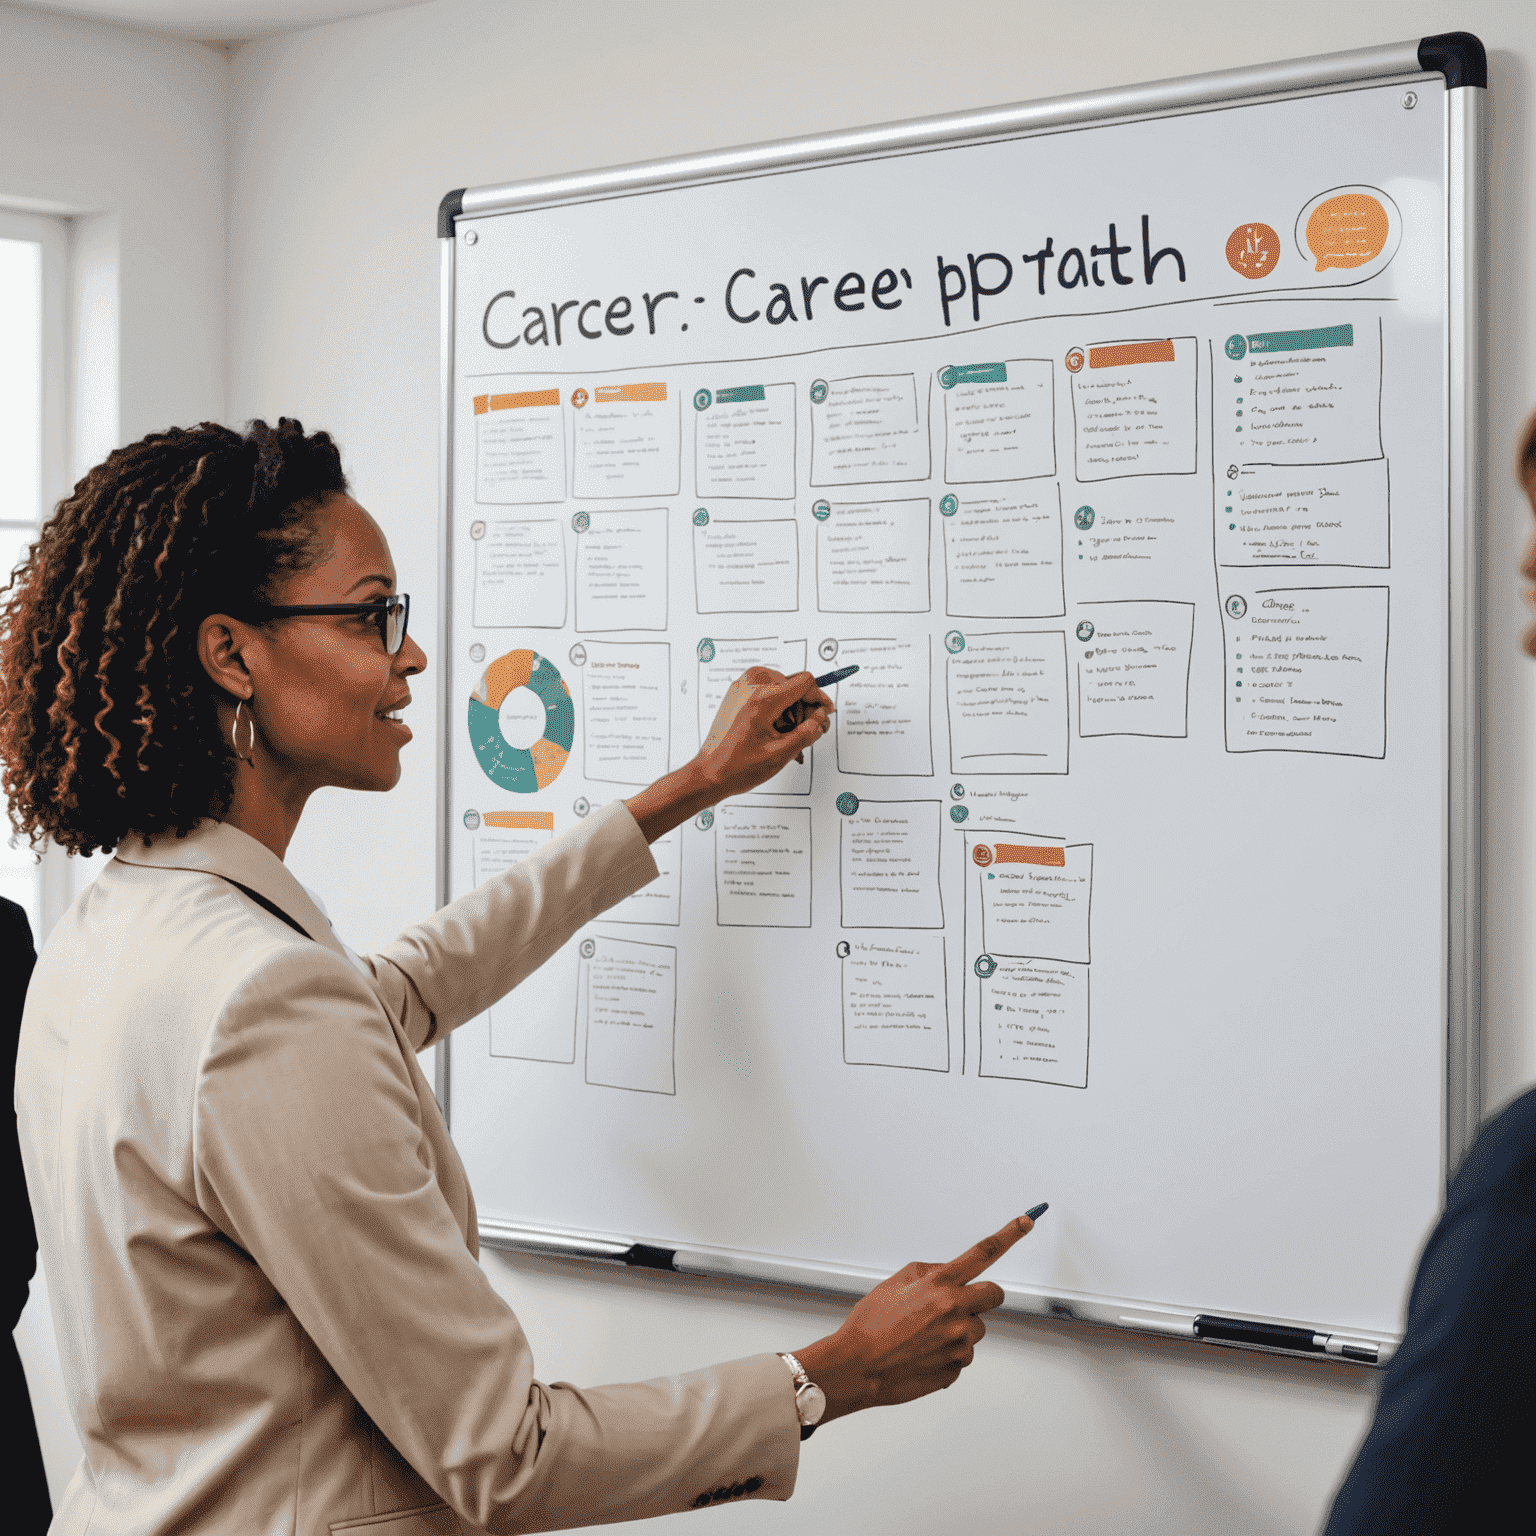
327,694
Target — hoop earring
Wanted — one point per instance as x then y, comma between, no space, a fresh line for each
247,756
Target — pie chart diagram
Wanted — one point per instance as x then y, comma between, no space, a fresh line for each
522,722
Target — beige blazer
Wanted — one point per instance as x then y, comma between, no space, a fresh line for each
260,1244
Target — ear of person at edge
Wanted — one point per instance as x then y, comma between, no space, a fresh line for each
319,702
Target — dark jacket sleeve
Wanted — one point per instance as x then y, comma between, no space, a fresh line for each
1449,1446
17,958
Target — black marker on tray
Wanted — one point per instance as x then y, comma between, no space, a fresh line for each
796,711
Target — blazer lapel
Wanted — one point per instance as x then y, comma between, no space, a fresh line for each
216,848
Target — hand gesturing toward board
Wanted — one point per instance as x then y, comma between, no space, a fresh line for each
742,749
913,1334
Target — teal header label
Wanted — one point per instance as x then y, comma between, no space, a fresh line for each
1303,341
973,373
740,395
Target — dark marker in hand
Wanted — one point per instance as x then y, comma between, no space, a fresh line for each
828,678
796,711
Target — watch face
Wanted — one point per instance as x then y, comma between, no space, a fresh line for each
811,1402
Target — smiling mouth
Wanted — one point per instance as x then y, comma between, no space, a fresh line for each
392,715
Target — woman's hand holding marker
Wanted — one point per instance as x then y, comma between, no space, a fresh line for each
747,744
744,747
914,1333
796,711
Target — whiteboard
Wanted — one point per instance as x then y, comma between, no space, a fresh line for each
1122,444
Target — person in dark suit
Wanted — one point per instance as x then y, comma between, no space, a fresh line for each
1448,1448
1457,1414
27,1493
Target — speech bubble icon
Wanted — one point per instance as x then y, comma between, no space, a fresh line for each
1347,231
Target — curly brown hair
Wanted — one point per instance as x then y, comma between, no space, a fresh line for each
108,721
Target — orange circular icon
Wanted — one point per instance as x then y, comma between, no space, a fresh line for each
1075,360
578,398
1253,250
982,854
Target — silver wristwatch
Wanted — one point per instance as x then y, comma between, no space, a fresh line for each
810,1400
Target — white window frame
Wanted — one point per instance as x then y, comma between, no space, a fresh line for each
52,234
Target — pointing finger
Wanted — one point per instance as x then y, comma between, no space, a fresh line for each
986,1253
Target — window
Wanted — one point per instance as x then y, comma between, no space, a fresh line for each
31,458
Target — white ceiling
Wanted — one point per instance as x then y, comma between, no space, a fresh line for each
217,21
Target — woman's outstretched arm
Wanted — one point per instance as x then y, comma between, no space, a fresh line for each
473,951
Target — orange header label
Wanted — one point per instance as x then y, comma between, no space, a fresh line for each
523,399
537,821
482,404
608,394
1020,853
1130,352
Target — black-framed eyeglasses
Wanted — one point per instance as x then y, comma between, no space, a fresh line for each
392,614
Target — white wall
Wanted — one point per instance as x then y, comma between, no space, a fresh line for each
341,141
124,137
96,120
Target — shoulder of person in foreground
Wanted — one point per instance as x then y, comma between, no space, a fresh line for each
1447,1448
16,961
318,1153
17,954
13,919
17,958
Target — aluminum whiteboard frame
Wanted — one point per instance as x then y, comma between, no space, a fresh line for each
1466,206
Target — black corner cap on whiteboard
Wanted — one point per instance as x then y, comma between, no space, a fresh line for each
1459,56
644,1256
452,204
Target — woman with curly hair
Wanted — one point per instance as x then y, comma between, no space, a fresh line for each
259,1243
